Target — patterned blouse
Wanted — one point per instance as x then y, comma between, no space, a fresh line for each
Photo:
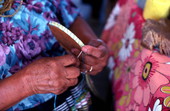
26,37
140,77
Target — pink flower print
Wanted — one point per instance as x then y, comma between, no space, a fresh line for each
149,75
138,20
156,104
118,91
122,2
127,42
132,107
128,68
112,18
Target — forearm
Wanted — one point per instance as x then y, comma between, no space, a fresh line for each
12,90
82,30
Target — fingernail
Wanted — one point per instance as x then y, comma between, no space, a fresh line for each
84,49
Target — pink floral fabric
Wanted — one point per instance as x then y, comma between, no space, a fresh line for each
140,77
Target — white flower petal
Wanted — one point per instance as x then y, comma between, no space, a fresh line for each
156,104
111,63
159,108
111,21
125,51
167,63
149,109
123,41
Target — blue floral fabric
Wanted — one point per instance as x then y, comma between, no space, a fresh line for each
26,37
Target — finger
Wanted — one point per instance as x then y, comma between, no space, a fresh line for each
55,90
87,68
92,72
90,60
76,52
59,91
67,60
62,90
95,42
59,87
98,52
72,82
72,72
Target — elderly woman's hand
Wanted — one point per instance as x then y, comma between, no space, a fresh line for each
52,75
94,57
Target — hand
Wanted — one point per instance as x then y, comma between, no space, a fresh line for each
52,75
94,57
156,35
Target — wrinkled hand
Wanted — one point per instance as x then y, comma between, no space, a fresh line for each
156,35
52,75
94,57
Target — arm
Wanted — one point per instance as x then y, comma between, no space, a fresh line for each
82,30
12,90
54,75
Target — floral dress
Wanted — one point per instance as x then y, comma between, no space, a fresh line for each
140,77
26,37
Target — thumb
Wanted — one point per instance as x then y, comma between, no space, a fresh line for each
67,60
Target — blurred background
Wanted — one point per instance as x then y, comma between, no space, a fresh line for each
96,12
